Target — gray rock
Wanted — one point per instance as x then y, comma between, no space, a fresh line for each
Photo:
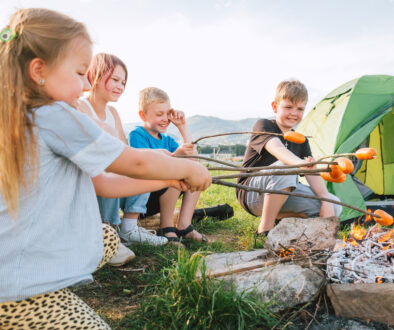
224,263
307,234
365,301
286,284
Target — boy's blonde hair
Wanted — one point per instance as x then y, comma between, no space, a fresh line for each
291,90
40,33
150,95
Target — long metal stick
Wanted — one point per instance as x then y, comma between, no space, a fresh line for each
289,193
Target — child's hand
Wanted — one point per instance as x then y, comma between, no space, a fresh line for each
326,210
308,160
186,149
178,184
199,178
177,117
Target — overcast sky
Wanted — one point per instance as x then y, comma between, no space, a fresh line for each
225,57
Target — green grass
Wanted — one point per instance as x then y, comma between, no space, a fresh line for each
160,290
181,300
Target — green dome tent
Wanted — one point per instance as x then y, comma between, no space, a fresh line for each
359,112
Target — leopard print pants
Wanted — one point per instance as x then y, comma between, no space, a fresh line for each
60,309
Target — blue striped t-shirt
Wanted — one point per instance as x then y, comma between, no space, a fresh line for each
56,240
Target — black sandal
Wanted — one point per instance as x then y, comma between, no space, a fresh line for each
183,232
165,230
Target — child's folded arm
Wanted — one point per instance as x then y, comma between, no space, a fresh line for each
150,164
112,185
276,148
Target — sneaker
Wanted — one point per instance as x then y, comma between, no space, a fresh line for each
122,257
142,235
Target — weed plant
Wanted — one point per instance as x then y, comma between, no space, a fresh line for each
185,298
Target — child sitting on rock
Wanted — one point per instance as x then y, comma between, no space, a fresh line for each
157,114
264,150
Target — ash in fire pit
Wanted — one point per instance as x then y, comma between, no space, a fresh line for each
368,257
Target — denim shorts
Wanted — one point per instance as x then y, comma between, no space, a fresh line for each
109,207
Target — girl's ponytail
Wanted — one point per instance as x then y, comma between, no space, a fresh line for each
38,33
17,140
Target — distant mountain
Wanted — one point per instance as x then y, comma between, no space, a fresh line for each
209,125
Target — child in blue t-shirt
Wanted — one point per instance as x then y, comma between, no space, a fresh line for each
157,114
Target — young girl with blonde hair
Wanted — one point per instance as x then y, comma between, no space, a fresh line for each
53,162
107,75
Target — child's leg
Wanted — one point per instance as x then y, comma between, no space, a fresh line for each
111,244
109,210
271,206
56,310
268,205
115,253
60,309
132,207
189,202
167,207
130,232
310,207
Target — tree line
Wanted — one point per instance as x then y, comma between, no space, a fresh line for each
236,149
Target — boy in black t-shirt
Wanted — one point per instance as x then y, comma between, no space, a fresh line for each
289,104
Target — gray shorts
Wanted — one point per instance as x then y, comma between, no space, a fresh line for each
307,206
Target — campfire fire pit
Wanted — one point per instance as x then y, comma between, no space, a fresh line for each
366,257
362,271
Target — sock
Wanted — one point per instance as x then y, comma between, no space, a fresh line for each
128,224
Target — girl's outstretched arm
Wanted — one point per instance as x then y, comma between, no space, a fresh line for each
154,165
112,185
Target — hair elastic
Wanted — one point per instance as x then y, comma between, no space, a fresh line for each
7,35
